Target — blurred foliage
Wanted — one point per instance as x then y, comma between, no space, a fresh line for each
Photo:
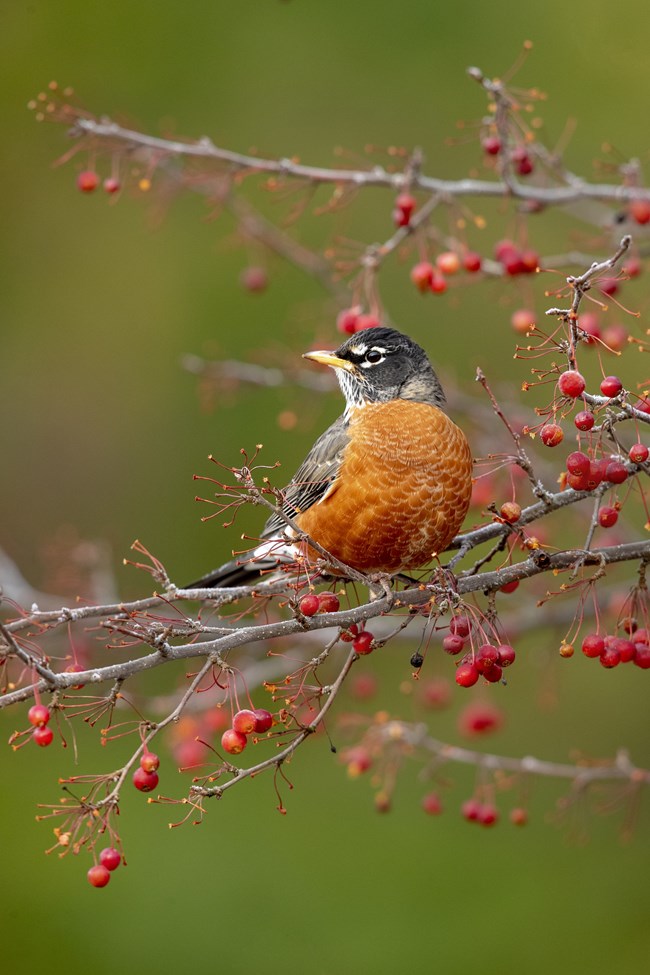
102,431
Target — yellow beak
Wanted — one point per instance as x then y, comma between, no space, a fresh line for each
329,359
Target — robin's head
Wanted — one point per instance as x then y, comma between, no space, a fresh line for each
380,364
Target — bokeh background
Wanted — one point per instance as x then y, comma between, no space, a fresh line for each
102,430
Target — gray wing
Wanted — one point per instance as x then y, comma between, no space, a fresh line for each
314,477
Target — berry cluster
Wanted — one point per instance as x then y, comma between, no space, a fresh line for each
516,260
433,277
100,874
245,722
145,778
324,602
39,716
615,650
488,661
354,319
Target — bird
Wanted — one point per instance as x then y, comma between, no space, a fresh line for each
387,486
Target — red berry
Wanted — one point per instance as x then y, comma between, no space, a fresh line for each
328,603
348,635
633,267
593,645
503,248
588,324
407,204
438,284
551,434
491,145
466,675
400,219
506,655
493,674
431,804
509,586
263,720
309,604
254,279
489,815
38,715
472,262
640,211
571,383
233,742
367,320
642,636
460,626
87,181
358,761
522,320
110,858
607,516
611,386
346,321
111,185
523,162
145,781
453,644
518,816
638,453
479,718
579,482
615,337
362,644
510,511
643,405
513,264
99,875
610,657
529,261
486,656
616,472
596,474
471,810
609,286
642,656
584,420
626,649
578,463
448,262
244,722
149,761
43,736
422,275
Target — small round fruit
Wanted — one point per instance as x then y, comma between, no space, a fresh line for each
244,721
486,656
448,262
507,655
509,586
551,434
638,453
406,203
518,816
362,644
610,657
110,858
367,320
233,742
422,275
328,602
87,181
145,781
263,721
431,804
510,511
584,420
254,279
607,516
609,286
99,875
438,284
529,261
493,674
309,604
616,472
43,736
572,383
640,211
578,463
149,761
472,262
489,815
417,660
38,715
522,320
466,675
453,644
460,626
471,810
346,321
491,144
593,645
611,386
566,650
111,185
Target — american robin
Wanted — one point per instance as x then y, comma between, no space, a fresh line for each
387,486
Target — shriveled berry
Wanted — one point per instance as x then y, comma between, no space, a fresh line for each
348,635
607,516
309,605
149,761
145,781
611,386
638,453
43,736
110,858
584,420
422,275
87,181
510,511
551,434
593,645
578,463
99,875
417,660
466,675
263,721
244,721
38,715
328,602
233,742
453,644
566,650
362,644
572,383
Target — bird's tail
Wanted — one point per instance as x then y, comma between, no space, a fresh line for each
233,573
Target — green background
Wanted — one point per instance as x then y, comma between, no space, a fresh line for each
102,431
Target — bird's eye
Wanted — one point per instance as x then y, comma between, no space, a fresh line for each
374,355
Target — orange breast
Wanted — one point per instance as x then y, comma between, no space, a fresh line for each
402,492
